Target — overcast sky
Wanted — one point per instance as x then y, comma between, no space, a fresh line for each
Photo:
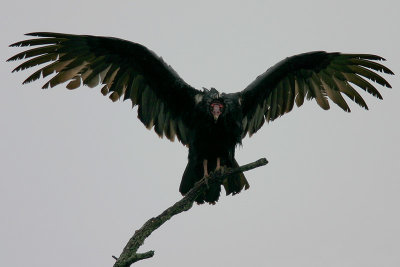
78,173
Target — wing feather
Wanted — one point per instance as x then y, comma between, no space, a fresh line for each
369,75
290,87
33,42
363,84
371,65
36,61
36,52
318,91
274,106
316,75
349,91
299,91
278,100
334,93
125,69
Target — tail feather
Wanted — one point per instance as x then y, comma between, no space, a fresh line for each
193,173
189,178
234,184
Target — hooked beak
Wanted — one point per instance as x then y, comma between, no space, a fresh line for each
216,111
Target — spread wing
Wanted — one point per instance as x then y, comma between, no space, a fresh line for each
315,75
126,69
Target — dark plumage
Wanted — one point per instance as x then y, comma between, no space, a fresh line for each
209,123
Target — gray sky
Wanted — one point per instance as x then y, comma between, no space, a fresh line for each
79,173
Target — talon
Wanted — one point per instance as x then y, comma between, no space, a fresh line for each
205,179
222,169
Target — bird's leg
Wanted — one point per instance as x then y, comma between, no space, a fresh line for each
205,171
218,164
219,168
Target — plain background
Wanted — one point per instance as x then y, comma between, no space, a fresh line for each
79,173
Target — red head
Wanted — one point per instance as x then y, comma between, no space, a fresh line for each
216,109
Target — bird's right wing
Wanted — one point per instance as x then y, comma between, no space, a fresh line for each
126,69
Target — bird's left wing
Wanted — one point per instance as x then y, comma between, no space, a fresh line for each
126,69
316,75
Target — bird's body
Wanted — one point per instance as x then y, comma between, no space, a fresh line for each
214,140
209,123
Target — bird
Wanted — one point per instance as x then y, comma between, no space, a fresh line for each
211,124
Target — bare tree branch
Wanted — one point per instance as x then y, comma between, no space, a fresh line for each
129,255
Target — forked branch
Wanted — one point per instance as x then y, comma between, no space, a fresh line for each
129,255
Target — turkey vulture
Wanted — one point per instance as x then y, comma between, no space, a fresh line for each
209,123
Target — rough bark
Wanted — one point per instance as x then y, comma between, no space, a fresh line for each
129,255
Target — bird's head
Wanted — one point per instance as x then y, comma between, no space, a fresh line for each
216,109
214,102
